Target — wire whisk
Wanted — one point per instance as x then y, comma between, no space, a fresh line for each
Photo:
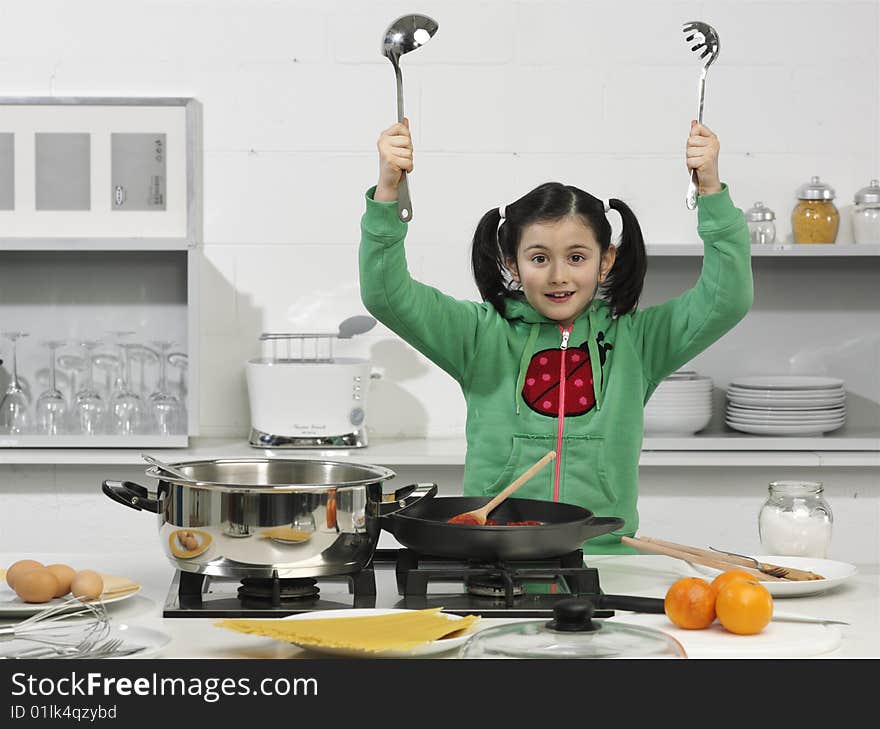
64,626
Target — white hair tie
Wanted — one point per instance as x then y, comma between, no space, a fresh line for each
501,213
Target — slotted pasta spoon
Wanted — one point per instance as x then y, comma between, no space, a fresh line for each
705,43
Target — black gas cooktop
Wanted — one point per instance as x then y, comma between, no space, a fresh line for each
396,578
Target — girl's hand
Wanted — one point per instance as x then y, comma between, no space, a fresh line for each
702,156
395,157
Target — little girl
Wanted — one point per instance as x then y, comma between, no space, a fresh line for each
558,356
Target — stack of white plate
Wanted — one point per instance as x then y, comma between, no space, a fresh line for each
681,405
786,405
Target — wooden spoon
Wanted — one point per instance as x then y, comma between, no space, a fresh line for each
477,517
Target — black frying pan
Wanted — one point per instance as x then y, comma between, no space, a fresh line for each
423,527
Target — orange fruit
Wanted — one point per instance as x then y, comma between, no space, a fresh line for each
744,607
725,578
690,603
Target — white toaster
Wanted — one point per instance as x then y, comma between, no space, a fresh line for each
298,403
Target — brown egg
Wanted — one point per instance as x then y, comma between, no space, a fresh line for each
64,575
19,568
87,585
36,585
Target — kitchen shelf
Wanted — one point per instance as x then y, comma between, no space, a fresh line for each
831,250
672,452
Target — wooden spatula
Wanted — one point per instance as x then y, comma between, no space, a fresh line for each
477,517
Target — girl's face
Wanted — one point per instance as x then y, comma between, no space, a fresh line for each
560,266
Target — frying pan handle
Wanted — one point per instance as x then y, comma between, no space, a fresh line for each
406,496
633,604
131,495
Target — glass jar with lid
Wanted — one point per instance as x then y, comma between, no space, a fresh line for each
866,214
815,218
795,520
762,225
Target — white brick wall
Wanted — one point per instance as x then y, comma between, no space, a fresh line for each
508,94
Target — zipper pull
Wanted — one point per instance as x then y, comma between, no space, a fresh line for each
565,335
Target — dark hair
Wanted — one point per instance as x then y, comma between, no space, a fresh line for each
548,202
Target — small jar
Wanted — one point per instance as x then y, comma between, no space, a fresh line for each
762,228
795,520
815,218
866,214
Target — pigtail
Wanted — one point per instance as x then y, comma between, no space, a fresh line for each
622,287
486,261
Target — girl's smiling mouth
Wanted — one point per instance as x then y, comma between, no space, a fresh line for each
559,296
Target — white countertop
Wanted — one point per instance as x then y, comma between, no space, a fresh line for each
857,601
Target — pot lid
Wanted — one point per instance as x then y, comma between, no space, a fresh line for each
759,212
572,633
869,194
815,190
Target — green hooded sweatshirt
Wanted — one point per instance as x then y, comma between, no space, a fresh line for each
530,387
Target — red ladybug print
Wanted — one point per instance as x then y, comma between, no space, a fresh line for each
541,387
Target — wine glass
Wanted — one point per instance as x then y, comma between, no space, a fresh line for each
180,361
120,336
70,364
51,408
14,416
110,364
143,355
127,409
89,407
167,408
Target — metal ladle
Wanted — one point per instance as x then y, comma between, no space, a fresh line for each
405,34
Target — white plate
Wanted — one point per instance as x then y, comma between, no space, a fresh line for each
144,641
798,415
426,649
787,382
782,429
781,405
150,640
835,573
784,397
12,605
770,420
790,411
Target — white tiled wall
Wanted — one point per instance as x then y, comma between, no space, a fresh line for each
507,95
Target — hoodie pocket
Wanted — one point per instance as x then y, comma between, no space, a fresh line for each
527,450
584,478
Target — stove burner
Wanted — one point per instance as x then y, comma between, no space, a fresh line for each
277,590
492,586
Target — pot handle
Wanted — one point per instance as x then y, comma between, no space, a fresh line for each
406,496
131,495
628,602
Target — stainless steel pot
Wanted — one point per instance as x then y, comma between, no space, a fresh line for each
251,517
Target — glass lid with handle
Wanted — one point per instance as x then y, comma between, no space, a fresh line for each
572,633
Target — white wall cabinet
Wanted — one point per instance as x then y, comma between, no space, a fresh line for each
100,228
